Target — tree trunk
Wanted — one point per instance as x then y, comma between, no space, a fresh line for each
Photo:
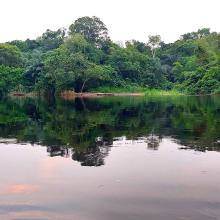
83,85
153,53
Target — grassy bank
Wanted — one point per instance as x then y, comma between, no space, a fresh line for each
156,92
133,89
108,91
128,89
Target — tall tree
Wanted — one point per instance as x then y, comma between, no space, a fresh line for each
52,39
154,42
92,28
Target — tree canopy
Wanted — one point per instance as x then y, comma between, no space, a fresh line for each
92,28
10,55
85,59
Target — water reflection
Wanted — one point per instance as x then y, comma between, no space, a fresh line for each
112,158
21,188
94,156
85,130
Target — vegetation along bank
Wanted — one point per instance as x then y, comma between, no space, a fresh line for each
84,59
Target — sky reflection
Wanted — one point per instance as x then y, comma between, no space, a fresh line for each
135,182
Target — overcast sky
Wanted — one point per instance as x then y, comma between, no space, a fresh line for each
125,19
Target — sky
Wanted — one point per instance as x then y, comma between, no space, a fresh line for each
125,19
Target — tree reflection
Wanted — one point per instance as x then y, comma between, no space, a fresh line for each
91,156
153,142
58,151
85,130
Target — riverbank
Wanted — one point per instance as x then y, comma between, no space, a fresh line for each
72,94
114,92
147,93
138,90
22,94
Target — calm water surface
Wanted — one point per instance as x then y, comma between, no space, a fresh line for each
110,159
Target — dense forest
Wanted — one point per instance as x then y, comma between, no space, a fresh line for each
84,58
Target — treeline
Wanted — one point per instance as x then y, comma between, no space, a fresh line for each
83,58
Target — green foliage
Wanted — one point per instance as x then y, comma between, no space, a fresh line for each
10,56
135,67
195,63
10,79
196,35
86,59
73,65
51,39
92,28
121,89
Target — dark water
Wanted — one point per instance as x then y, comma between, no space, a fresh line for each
110,159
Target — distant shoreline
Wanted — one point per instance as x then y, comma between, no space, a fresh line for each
72,94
